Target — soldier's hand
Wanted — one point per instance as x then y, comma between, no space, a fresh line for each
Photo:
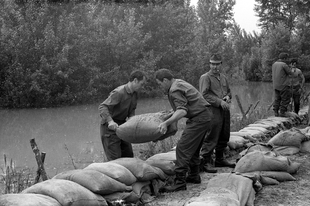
224,105
162,128
227,99
112,125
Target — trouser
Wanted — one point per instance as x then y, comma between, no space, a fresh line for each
296,94
281,99
219,135
189,145
113,146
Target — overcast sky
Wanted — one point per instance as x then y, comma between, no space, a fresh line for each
244,14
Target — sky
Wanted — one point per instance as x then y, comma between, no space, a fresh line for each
243,14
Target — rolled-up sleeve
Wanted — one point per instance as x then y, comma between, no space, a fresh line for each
179,100
107,106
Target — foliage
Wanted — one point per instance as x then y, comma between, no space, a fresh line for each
74,52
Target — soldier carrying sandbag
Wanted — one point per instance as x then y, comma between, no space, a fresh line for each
186,101
120,105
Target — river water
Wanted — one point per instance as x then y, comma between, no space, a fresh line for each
70,135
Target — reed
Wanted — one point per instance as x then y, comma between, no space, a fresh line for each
14,180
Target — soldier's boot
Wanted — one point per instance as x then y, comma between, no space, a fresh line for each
193,176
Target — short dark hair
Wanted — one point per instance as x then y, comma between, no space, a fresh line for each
136,74
293,61
283,55
163,73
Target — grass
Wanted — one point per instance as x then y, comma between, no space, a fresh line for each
14,180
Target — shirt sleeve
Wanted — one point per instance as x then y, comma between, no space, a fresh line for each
204,88
107,106
179,100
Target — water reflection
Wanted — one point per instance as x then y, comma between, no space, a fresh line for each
76,128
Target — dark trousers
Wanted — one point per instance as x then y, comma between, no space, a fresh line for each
189,145
219,135
281,99
113,146
296,94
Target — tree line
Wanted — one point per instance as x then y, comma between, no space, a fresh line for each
72,52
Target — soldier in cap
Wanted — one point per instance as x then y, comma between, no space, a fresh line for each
215,89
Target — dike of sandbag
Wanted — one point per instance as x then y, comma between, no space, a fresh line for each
125,180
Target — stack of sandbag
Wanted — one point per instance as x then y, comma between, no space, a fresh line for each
144,128
135,172
226,189
288,142
129,180
66,192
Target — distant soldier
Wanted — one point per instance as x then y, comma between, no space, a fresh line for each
297,84
281,85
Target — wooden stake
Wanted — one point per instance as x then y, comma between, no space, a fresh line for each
39,158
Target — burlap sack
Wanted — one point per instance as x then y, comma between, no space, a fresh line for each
291,137
215,196
265,161
239,185
164,161
236,142
286,150
67,193
140,169
95,181
27,200
144,128
115,171
305,147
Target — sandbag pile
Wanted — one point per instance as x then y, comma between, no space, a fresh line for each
263,129
129,180
144,128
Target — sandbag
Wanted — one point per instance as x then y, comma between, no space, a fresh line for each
95,181
164,161
279,176
305,147
286,150
291,137
239,185
236,142
265,161
141,193
166,166
215,196
257,147
140,169
67,193
27,200
144,128
245,135
170,156
115,171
